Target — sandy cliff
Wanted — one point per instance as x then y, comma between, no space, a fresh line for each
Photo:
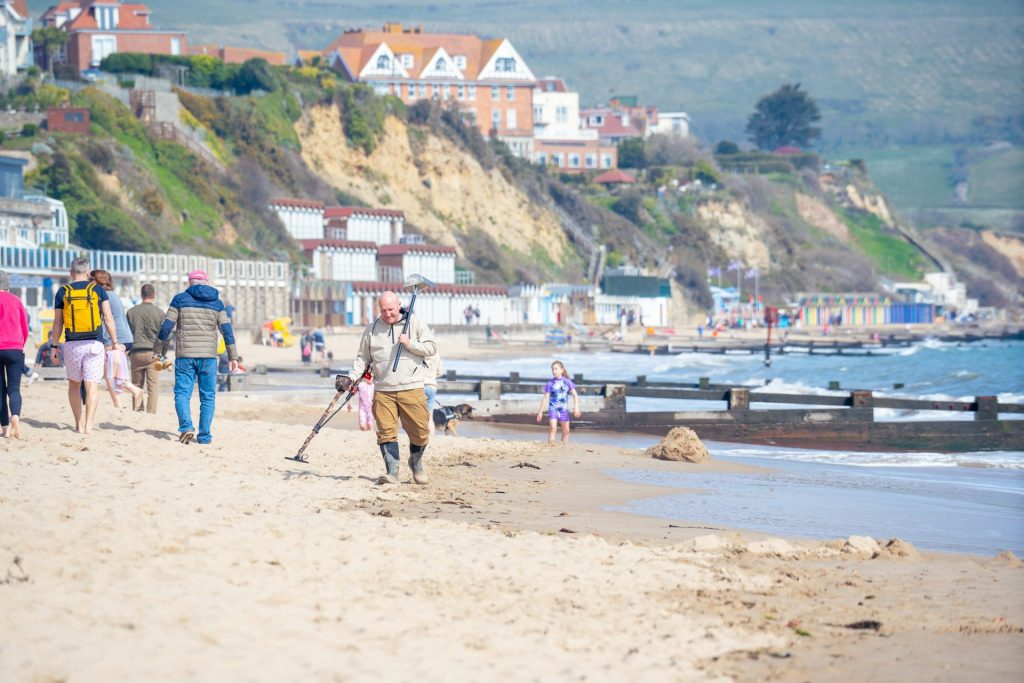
444,192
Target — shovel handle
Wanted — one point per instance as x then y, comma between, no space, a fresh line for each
405,330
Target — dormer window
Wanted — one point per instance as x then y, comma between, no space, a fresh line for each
441,64
383,62
505,64
106,17
460,61
407,61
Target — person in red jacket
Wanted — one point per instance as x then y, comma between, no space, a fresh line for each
13,335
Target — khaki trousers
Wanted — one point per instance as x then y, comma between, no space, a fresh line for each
409,407
146,376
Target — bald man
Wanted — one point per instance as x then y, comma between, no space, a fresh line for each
398,395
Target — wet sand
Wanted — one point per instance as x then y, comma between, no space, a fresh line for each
128,556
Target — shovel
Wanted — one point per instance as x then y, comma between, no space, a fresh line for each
417,283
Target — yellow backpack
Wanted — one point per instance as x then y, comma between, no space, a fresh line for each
81,312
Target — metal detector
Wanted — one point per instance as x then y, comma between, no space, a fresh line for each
417,283
326,417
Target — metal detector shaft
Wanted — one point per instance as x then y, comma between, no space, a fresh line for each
326,417
405,330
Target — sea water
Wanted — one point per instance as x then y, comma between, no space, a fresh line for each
963,502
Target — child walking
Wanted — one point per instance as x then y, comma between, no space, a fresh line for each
556,396
119,377
366,404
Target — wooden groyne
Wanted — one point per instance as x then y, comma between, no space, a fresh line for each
660,345
824,422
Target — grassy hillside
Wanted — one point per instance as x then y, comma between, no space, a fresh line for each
919,180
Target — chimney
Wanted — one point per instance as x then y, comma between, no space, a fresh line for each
392,27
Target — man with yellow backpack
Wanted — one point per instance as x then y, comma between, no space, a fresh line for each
81,308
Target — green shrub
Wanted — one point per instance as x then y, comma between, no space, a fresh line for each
255,74
727,147
152,202
99,156
29,130
363,114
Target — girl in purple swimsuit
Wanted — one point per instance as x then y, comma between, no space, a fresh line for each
556,396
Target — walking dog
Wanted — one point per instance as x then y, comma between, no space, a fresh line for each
449,416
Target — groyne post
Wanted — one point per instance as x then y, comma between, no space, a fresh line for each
987,409
615,397
739,399
862,405
704,383
490,390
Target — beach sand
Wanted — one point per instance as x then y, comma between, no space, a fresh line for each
126,556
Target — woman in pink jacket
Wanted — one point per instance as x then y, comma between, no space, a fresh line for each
13,335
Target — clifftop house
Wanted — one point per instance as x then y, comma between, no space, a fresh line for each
489,80
15,37
97,28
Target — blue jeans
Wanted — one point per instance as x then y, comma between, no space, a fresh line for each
186,371
430,391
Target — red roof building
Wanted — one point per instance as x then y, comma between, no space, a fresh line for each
98,28
238,55
486,78
380,226
614,177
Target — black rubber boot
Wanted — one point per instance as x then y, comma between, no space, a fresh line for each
391,458
419,475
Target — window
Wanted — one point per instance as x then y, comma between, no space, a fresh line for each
435,90
556,159
510,117
495,93
591,161
175,46
74,117
538,113
383,62
505,64
441,64
406,61
542,158
446,91
495,118
462,92
472,92
562,114
606,161
106,18
574,161
460,61
101,47
510,93
411,88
